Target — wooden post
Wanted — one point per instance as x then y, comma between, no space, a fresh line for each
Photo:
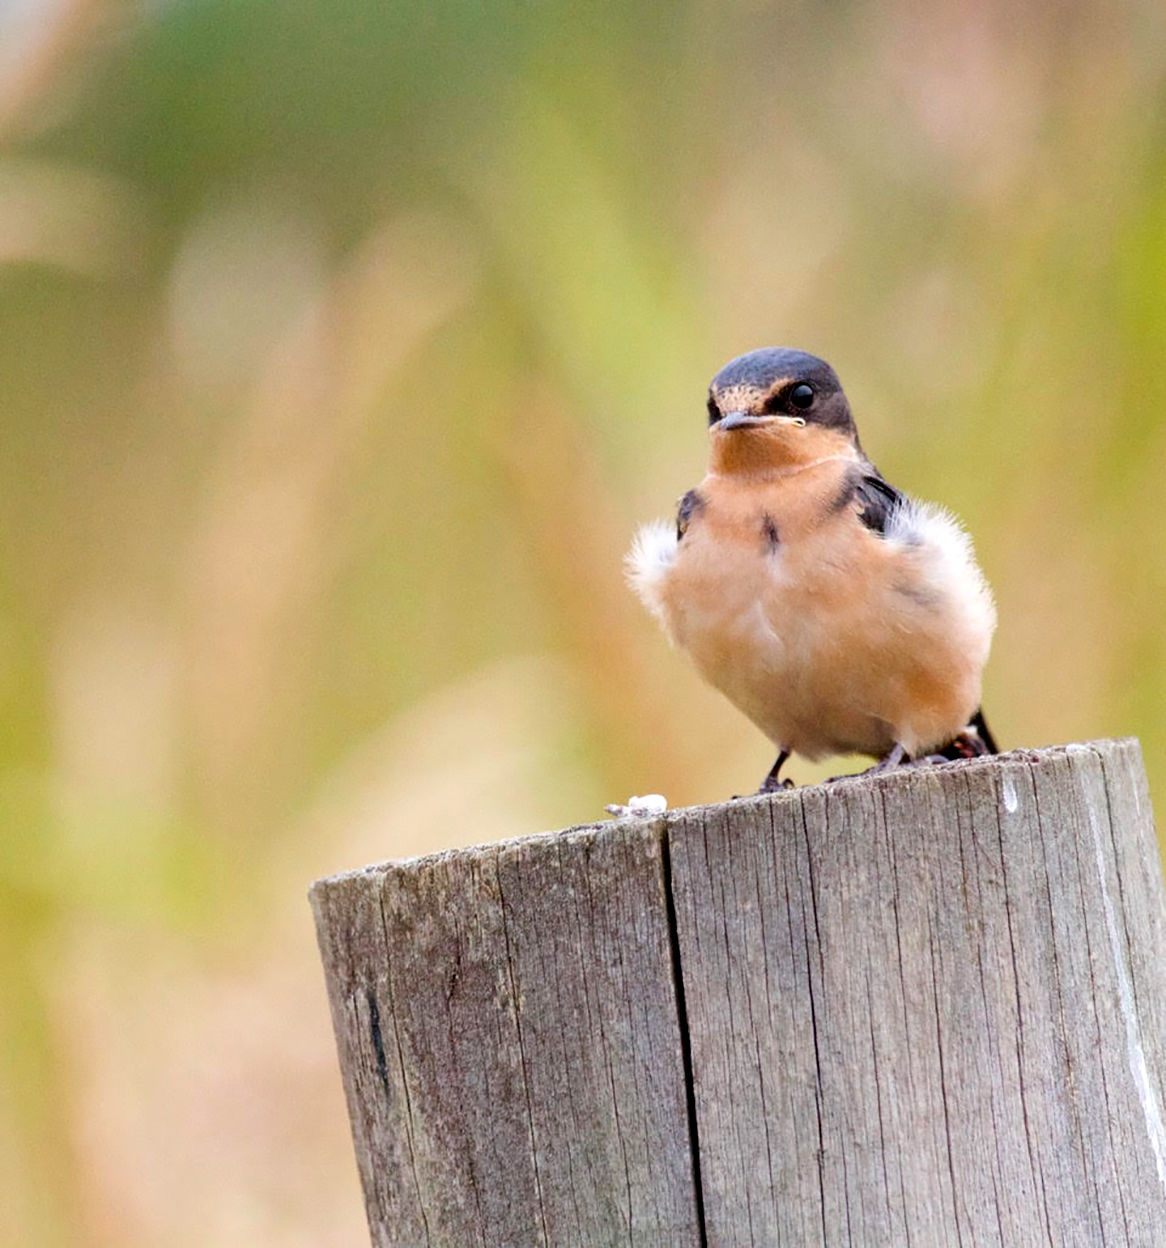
922,1008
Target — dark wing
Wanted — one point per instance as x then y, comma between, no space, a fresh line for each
690,505
876,497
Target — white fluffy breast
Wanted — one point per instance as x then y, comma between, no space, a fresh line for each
652,555
946,562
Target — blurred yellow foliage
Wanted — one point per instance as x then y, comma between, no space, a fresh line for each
341,349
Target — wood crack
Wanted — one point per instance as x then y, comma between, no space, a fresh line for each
516,1007
380,899
685,1035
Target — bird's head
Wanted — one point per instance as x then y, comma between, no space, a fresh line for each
777,407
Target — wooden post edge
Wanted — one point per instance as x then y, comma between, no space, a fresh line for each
926,1006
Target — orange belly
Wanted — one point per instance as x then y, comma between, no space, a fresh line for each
837,641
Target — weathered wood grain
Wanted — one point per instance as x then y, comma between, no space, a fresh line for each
927,1008
510,1043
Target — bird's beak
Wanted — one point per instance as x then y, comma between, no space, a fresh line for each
740,420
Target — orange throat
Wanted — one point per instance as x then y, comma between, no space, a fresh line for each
773,449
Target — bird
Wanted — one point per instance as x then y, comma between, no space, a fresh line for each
841,615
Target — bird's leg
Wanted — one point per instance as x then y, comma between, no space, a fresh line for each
898,757
895,758
771,784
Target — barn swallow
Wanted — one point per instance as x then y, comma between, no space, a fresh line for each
840,615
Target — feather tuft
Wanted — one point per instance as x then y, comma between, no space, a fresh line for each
946,547
648,562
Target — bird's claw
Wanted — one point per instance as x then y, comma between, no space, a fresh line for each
898,757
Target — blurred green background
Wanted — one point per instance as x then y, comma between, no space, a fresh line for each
341,348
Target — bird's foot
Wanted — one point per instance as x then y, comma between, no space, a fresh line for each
772,782
931,759
778,786
898,757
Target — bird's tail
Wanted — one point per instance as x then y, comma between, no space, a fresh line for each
980,724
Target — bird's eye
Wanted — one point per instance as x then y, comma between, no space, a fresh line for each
714,411
802,396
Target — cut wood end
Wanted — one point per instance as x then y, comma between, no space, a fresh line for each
732,1023
968,767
